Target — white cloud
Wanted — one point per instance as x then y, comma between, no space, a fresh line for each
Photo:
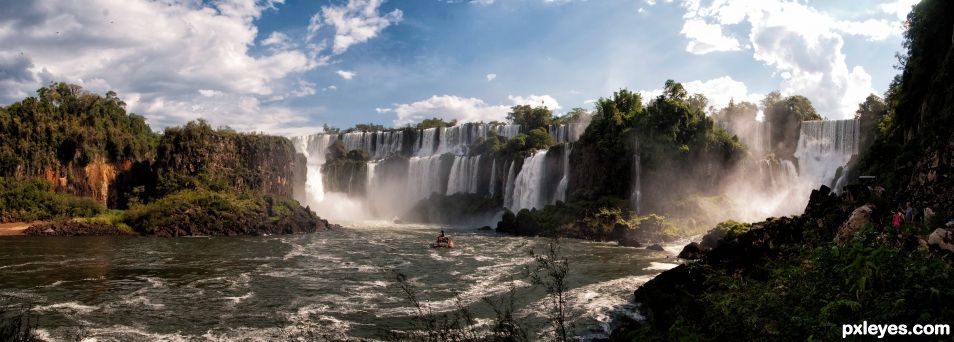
804,45
345,74
536,100
721,90
449,107
278,41
383,110
491,77
171,61
706,38
899,8
356,22
330,88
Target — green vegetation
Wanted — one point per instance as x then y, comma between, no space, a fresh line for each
806,293
202,212
65,126
530,117
605,223
434,123
673,135
32,200
784,116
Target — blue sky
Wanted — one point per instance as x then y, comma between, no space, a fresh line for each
287,67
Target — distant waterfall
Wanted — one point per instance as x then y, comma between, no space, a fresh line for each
824,150
423,177
408,165
565,180
527,186
464,175
637,194
509,187
564,133
314,147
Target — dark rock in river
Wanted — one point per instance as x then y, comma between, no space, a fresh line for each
692,251
73,228
656,247
629,242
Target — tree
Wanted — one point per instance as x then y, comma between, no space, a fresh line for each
869,114
529,117
785,116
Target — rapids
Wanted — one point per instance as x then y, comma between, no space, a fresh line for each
337,284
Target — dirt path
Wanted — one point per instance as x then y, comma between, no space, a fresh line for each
14,228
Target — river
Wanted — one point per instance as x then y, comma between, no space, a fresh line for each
332,285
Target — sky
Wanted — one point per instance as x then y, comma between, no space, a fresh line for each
290,66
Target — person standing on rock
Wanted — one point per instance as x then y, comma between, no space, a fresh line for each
896,219
928,214
909,214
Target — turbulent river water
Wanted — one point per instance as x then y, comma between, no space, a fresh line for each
332,285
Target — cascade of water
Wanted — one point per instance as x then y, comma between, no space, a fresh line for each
314,147
527,192
560,194
493,177
637,173
824,149
463,175
565,133
508,187
423,176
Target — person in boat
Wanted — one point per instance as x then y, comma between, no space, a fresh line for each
441,238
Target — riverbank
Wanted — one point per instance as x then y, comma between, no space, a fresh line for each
15,228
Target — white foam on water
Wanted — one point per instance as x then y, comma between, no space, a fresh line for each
67,307
239,299
659,266
600,302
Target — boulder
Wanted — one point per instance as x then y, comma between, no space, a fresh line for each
942,239
692,251
629,242
656,247
857,220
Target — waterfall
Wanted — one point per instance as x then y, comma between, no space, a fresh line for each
637,171
393,185
560,194
527,186
423,177
314,147
565,133
824,150
464,175
493,177
508,187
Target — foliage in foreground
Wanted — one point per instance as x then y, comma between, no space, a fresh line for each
549,272
16,323
807,294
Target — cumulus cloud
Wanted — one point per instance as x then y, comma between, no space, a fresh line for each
172,61
721,90
345,74
491,77
804,45
449,107
354,22
176,60
706,38
536,100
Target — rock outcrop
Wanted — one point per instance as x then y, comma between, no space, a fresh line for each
858,219
74,228
942,240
